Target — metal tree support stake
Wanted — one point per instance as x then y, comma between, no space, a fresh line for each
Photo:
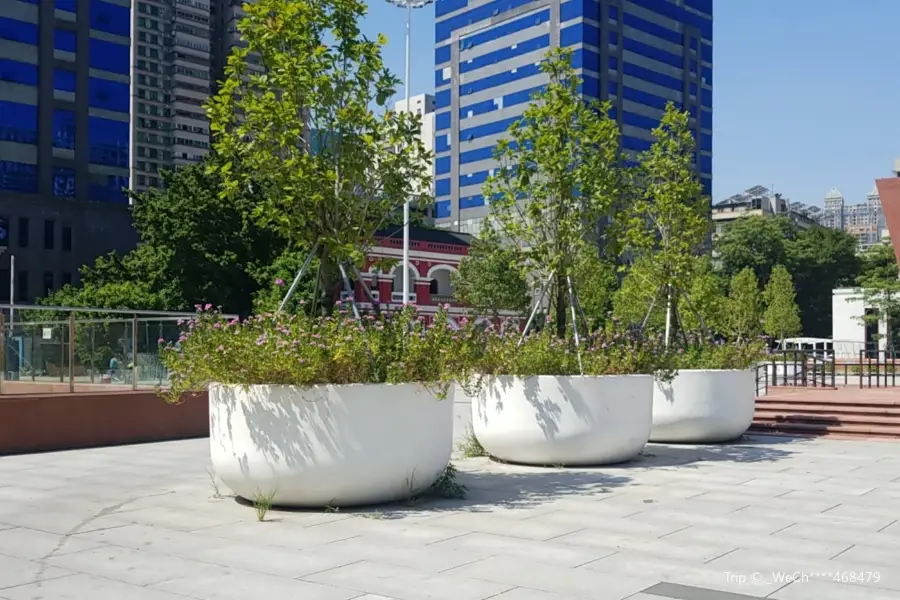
574,323
300,273
349,290
534,310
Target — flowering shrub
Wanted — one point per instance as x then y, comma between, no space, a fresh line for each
612,350
697,353
301,350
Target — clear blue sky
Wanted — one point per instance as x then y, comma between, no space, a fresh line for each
806,92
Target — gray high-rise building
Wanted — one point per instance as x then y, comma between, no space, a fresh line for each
172,76
65,108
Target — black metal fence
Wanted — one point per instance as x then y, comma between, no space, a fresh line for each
872,368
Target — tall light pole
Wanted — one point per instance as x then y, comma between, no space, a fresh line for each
408,5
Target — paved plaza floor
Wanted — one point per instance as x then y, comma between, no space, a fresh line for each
767,518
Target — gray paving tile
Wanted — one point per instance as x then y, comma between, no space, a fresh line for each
827,590
686,592
241,585
85,587
407,584
17,571
271,560
564,555
30,544
581,583
127,565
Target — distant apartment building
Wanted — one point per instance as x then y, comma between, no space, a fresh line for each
865,221
172,78
65,109
423,105
637,54
761,201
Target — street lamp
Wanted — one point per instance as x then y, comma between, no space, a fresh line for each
408,5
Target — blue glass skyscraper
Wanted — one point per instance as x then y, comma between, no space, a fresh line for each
638,54
65,108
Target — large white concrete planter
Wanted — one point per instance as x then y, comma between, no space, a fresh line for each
703,406
326,445
551,420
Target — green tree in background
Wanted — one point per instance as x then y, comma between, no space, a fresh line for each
744,306
754,242
782,316
307,134
819,259
669,221
558,177
879,288
195,248
490,277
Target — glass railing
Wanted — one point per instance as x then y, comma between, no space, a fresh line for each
60,350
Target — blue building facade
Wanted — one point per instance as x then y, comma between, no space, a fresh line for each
65,107
638,54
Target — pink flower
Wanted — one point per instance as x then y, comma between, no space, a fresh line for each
220,348
218,326
548,318
447,306
207,307
161,341
279,282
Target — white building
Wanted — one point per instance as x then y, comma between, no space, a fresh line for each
850,334
422,105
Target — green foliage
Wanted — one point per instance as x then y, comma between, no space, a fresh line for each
708,300
782,316
301,350
819,259
719,354
306,132
596,281
639,290
614,350
668,222
879,286
754,242
195,248
490,278
558,177
744,306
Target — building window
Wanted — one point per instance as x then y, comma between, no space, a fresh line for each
22,285
22,232
67,238
110,18
48,282
18,31
111,95
64,80
67,279
18,72
18,177
109,56
18,122
63,182
49,234
64,40
108,142
63,129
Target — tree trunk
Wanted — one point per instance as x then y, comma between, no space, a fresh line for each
668,314
561,305
327,272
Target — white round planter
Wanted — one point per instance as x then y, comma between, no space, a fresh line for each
335,445
550,420
703,406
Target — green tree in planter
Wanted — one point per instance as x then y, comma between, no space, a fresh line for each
558,177
782,316
707,293
490,277
306,133
745,309
879,288
669,221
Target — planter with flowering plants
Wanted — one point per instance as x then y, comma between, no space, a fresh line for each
329,411
712,396
534,403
